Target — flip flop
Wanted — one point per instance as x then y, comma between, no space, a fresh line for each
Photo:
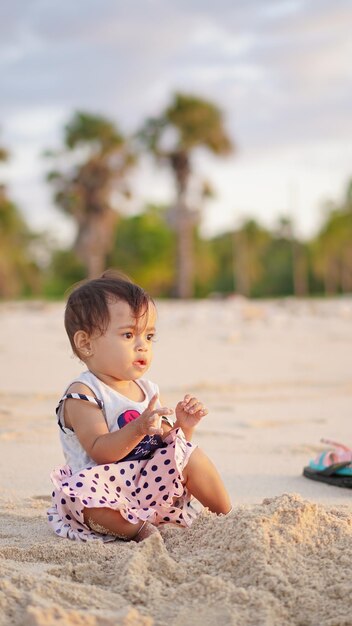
333,467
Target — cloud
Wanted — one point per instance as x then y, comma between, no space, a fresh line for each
280,69
106,55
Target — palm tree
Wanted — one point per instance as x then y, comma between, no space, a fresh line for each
3,154
298,254
331,249
19,273
101,158
251,242
186,124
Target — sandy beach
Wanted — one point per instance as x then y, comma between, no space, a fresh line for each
276,377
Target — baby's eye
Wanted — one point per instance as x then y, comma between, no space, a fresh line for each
150,336
128,335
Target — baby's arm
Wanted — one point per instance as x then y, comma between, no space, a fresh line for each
90,427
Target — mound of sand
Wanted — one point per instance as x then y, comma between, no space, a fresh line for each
285,561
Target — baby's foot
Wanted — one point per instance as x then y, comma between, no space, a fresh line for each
146,530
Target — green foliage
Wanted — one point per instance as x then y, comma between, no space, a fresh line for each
144,248
3,154
188,123
222,251
101,157
331,249
64,270
93,130
19,274
206,266
252,261
199,123
250,246
278,274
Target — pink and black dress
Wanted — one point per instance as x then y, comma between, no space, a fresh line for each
144,485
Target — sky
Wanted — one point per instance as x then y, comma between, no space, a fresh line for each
279,70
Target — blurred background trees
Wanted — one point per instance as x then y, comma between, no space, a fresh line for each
187,124
99,159
161,247
331,249
19,273
144,246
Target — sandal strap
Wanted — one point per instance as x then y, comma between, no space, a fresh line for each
332,469
336,444
340,454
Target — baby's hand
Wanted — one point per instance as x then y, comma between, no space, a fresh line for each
190,411
150,419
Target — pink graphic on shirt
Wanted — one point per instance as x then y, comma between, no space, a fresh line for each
127,417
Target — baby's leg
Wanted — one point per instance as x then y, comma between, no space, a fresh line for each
108,522
204,482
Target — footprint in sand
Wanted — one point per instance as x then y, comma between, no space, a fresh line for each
45,498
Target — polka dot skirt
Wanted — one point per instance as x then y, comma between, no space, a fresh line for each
143,489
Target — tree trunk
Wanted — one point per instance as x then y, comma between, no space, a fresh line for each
331,278
241,263
184,253
346,272
94,241
300,281
184,228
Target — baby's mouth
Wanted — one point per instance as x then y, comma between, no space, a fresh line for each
140,363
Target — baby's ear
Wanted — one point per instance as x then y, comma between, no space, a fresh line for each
83,344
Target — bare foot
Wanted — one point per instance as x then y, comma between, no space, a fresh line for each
146,530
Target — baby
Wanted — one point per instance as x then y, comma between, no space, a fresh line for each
130,465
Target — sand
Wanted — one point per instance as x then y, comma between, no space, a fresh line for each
276,377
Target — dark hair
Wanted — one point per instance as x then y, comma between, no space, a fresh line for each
87,304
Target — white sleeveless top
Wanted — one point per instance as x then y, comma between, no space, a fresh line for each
117,409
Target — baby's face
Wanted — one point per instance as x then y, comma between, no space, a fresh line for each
124,352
